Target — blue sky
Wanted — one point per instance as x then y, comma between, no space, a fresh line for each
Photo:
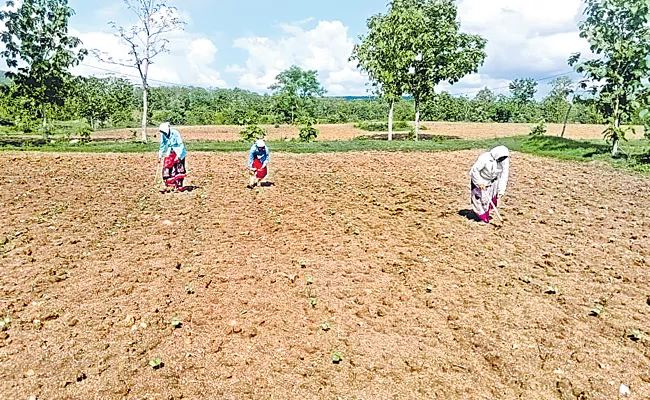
246,43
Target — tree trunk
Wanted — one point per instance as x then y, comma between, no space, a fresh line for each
566,118
390,121
417,123
144,113
44,121
617,124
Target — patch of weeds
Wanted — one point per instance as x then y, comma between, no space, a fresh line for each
337,357
176,322
325,326
310,280
143,203
313,301
429,288
637,335
597,310
4,323
189,289
551,290
303,264
156,363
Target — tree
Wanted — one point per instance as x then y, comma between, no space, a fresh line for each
146,40
556,106
293,91
378,55
619,37
41,51
100,100
432,48
523,90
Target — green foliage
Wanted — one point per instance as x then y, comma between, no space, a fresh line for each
307,131
293,93
103,100
383,126
379,55
432,48
618,32
39,48
523,90
539,129
252,133
156,363
337,357
597,310
4,323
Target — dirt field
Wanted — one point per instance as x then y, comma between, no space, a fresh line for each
95,265
348,131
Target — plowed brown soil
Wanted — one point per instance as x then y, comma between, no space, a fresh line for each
348,131
94,265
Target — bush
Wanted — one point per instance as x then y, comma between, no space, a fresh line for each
539,129
383,126
252,132
307,130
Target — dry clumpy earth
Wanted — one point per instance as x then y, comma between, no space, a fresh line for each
462,130
367,254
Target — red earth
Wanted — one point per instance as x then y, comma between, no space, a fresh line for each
370,255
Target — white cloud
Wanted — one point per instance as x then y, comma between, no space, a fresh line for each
325,48
190,60
525,38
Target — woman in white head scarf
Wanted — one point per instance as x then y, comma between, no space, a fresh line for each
489,180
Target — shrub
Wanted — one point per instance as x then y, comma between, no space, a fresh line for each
252,132
539,129
307,130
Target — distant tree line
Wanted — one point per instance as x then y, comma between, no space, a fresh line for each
116,103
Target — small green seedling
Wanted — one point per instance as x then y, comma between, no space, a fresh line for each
156,363
313,301
526,279
551,290
325,326
597,310
337,357
189,289
303,264
638,335
310,280
176,322
4,323
429,288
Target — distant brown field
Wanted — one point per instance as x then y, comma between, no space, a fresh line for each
348,131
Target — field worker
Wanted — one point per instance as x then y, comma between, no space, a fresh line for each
171,155
489,179
258,162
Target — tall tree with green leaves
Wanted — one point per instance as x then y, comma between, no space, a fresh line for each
378,55
618,33
146,40
40,51
100,100
432,48
293,91
523,90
